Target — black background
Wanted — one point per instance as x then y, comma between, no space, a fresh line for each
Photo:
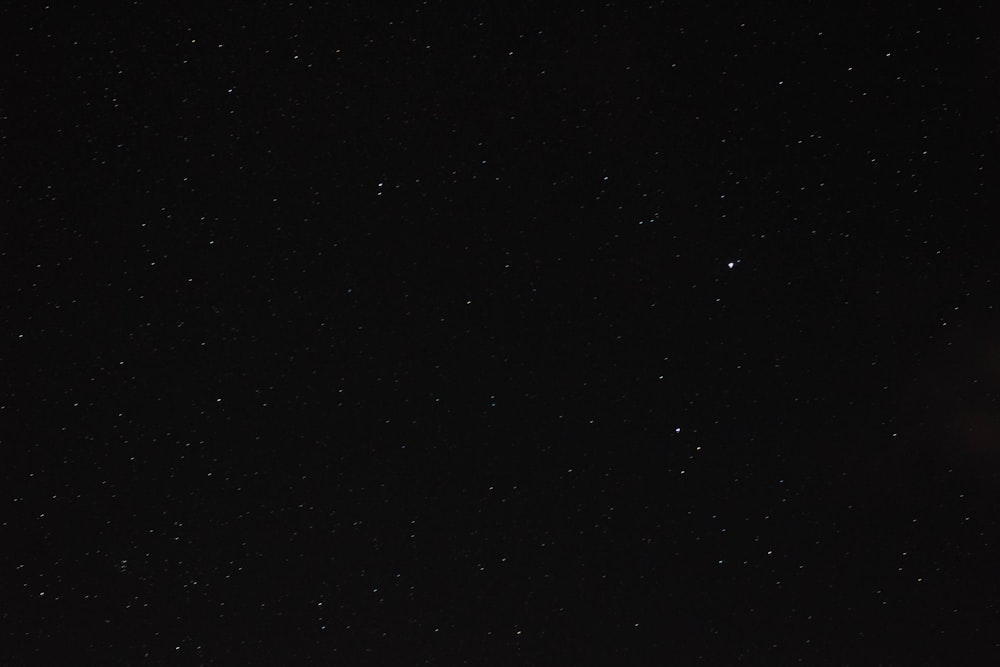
408,334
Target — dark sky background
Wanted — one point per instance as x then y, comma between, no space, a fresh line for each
495,333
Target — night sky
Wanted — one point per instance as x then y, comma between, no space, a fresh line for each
499,333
